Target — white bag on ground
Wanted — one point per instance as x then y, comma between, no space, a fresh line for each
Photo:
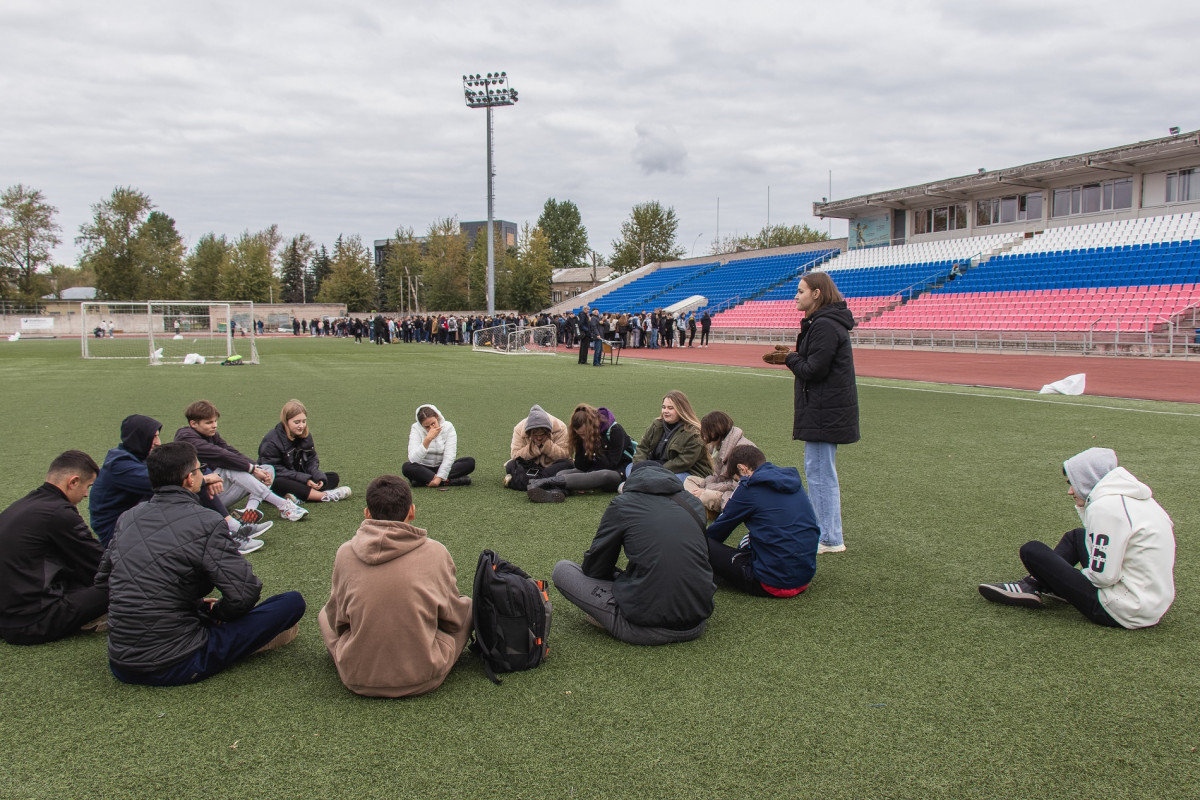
193,358
1072,384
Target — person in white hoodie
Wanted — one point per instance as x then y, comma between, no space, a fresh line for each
433,452
1126,549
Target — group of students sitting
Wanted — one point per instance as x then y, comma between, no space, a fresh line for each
395,622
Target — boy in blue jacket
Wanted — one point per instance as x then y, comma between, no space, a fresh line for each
778,557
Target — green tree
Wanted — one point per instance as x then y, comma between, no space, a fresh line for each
109,244
322,265
247,274
529,283
352,278
158,247
647,236
205,264
563,229
773,236
402,271
445,267
293,270
28,233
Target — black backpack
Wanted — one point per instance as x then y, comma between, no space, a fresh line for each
511,613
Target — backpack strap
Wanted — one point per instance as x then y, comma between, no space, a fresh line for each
690,510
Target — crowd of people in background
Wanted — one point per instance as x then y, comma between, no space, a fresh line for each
650,330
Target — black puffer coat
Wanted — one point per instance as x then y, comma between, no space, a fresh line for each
826,395
291,458
166,555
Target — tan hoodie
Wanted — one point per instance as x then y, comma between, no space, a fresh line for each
395,623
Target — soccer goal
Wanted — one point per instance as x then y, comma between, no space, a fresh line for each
169,332
511,340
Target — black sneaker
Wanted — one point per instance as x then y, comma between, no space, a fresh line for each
1011,594
540,495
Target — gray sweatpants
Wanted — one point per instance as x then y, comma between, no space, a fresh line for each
595,597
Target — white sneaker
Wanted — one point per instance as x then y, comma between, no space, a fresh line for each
830,548
293,513
334,495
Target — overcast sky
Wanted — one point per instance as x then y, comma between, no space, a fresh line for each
348,117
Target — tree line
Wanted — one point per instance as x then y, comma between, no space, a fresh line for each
132,251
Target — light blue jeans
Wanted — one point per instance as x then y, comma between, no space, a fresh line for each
820,472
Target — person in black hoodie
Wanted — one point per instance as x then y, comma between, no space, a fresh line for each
665,593
49,558
123,481
826,398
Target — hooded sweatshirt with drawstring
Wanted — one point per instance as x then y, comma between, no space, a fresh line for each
395,622
1130,539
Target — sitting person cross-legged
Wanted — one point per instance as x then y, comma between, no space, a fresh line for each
289,449
48,559
665,594
602,449
778,557
539,449
165,557
433,458
673,439
395,623
1126,549
720,435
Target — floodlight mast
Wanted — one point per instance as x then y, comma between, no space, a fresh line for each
488,91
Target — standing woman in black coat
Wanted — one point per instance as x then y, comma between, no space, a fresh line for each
826,398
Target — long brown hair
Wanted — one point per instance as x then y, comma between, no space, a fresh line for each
585,441
826,290
684,407
291,409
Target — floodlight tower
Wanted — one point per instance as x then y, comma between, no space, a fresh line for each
487,92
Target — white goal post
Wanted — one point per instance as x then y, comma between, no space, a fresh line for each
169,331
512,340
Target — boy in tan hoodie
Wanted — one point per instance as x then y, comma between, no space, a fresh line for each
395,623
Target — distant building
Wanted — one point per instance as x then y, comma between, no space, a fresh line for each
76,293
508,230
568,283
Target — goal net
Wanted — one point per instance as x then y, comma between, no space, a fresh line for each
169,332
512,340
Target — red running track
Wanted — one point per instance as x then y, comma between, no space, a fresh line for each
1141,378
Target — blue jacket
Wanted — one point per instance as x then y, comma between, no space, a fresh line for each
783,528
123,481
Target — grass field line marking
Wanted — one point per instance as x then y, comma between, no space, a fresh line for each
788,376
1035,400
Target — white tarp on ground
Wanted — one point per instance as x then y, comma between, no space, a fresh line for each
1072,384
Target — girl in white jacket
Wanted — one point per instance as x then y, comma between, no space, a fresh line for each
433,452
1126,549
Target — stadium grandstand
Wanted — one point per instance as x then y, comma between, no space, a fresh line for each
1098,251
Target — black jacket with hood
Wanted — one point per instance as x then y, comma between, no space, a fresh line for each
123,481
667,582
291,458
826,398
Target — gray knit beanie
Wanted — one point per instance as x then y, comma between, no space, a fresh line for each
537,419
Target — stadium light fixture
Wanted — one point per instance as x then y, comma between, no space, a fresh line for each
489,91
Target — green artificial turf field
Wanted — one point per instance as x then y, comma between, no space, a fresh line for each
890,678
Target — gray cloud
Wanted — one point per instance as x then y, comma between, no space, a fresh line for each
659,149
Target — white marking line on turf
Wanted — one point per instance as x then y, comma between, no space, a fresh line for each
754,371
1034,400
